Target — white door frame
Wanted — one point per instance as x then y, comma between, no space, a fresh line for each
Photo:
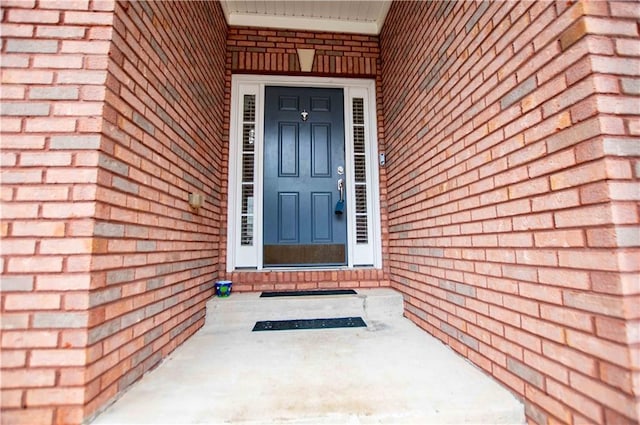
250,257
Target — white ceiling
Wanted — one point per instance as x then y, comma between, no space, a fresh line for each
352,16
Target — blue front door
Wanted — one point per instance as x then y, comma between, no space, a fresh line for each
305,224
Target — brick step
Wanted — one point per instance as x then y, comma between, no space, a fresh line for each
244,309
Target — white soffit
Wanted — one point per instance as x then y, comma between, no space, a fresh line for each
352,16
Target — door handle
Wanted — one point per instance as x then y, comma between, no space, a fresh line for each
340,204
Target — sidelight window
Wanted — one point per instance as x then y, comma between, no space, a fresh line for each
360,171
248,170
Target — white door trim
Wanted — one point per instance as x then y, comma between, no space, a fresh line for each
250,257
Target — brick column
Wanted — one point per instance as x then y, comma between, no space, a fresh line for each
54,61
111,116
614,46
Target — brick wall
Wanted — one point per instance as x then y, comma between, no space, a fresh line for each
513,172
54,60
273,52
155,259
511,138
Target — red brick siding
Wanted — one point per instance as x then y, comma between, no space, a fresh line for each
512,173
155,259
54,60
273,52
300,280
512,163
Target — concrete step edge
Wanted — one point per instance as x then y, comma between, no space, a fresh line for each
248,307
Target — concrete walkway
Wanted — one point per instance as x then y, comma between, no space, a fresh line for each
389,372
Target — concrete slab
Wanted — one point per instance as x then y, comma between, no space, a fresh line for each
389,372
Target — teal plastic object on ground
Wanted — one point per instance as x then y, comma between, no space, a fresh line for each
223,288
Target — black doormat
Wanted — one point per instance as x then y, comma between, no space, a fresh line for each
307,293
285,325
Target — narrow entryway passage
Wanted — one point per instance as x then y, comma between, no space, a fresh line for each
389,372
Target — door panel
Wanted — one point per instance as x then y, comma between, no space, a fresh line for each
321,217
301,158
320,104
288,103
320,150
288,149
288,217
